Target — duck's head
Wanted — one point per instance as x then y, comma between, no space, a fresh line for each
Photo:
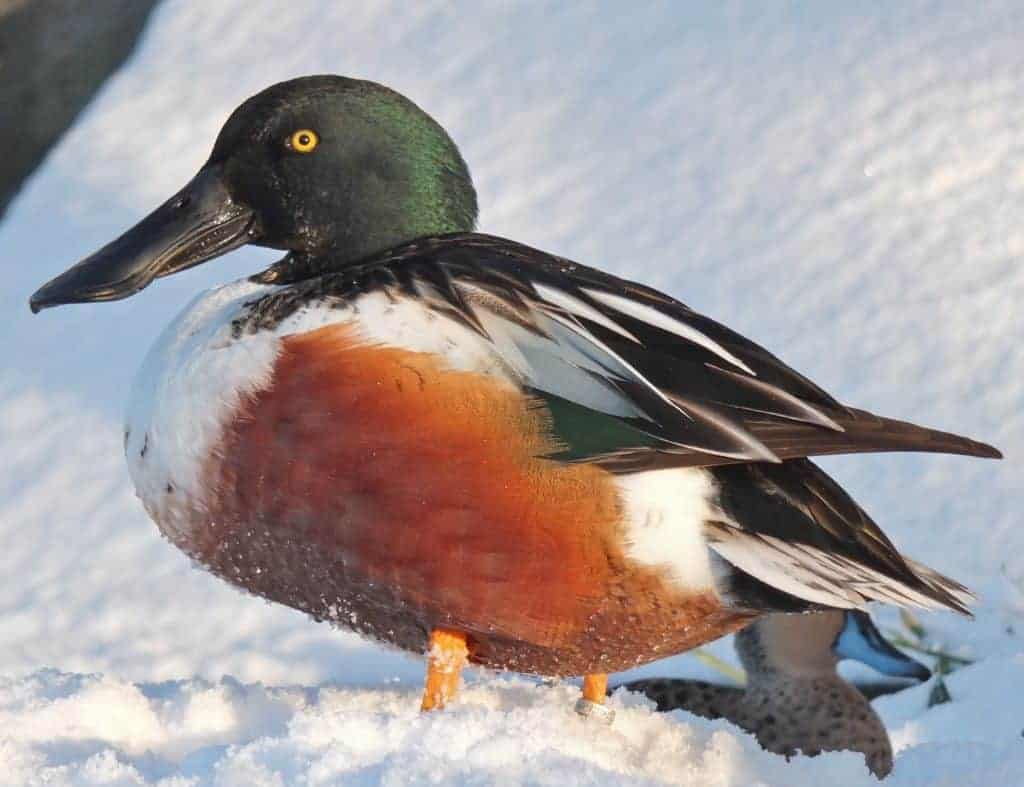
810,645
322,166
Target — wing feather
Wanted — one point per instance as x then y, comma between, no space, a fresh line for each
684,389
793,528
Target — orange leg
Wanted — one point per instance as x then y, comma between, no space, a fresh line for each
595,687
591,704
446,656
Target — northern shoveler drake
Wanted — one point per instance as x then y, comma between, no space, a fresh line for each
794,700
461,445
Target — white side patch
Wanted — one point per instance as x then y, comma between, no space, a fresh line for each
665,512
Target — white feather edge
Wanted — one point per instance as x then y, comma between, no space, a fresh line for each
818,576
652,316
575,306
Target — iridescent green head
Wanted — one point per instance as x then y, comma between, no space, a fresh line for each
342,165
323,166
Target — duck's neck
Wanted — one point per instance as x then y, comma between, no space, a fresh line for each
385,216
299,266
411,209
411,183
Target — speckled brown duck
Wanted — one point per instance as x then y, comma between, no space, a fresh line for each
461,445
794,701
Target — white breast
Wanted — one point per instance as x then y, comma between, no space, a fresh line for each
189,386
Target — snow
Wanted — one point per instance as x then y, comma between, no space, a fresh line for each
508,730
841,183
93,729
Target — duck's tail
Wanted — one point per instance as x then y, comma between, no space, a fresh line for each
791,538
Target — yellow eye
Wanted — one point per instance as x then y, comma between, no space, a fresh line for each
303,141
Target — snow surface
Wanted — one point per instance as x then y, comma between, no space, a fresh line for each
844,184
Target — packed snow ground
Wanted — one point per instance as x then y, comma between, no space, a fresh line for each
846,188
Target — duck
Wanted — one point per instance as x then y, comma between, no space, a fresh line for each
794,700
462,446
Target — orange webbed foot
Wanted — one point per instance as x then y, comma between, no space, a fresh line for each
447,653
592,704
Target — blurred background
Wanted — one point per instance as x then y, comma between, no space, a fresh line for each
843,183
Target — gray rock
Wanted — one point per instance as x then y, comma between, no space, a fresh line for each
54,56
